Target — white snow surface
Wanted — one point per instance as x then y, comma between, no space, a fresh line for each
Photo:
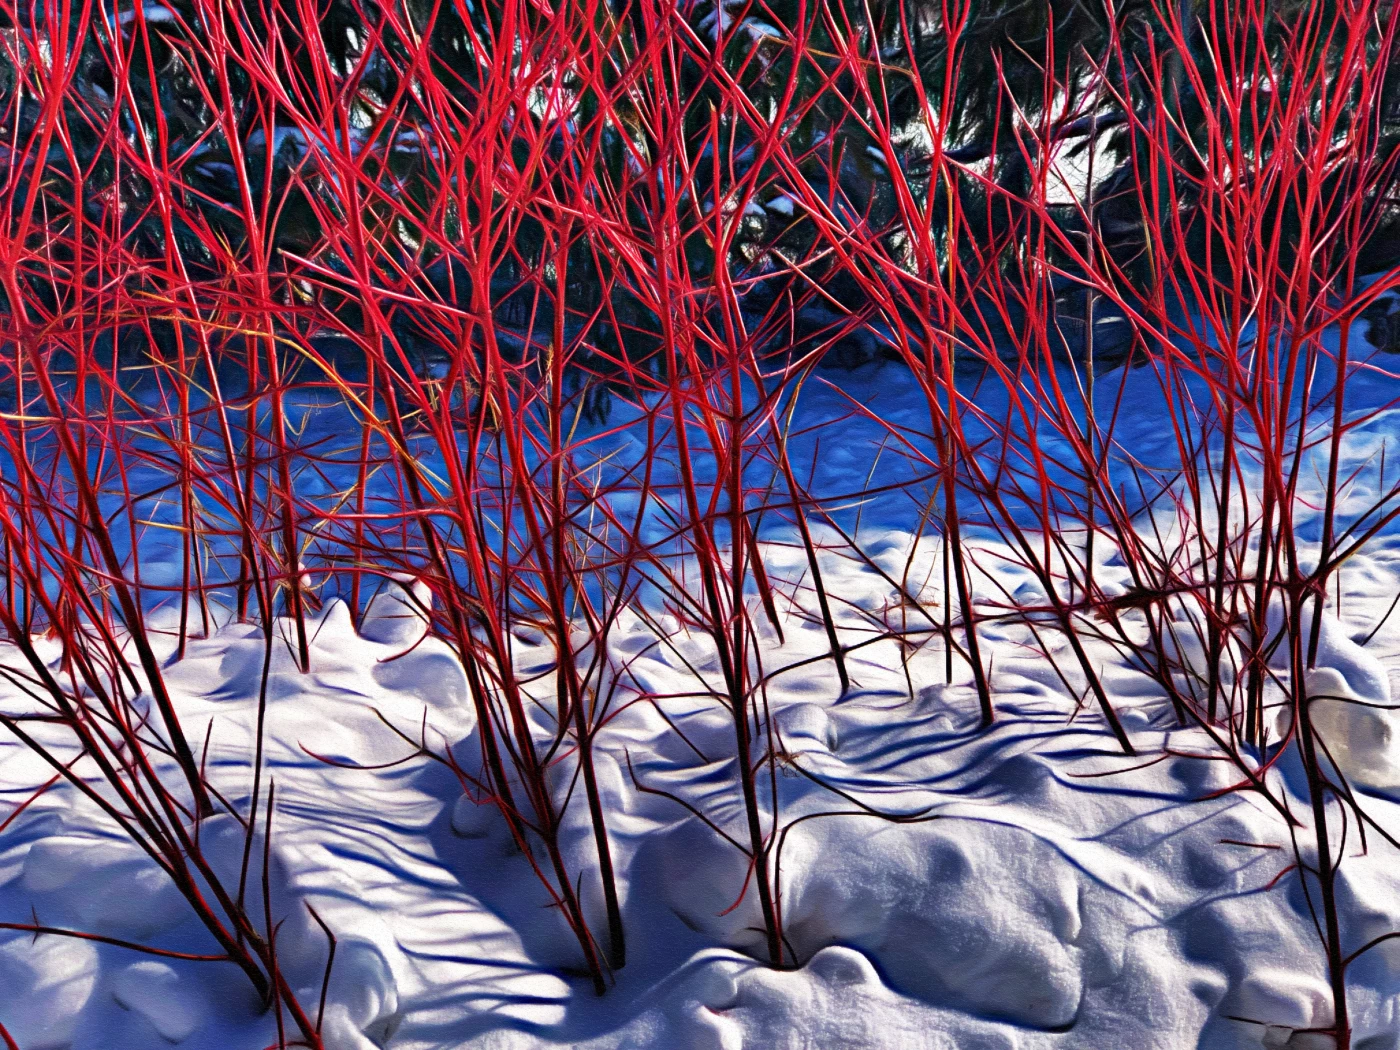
1042,890
1056,895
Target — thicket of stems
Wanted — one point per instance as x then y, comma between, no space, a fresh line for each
567,269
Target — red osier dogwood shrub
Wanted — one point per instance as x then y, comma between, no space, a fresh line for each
477,226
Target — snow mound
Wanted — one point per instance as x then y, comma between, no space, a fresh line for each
982,917
59,869
156,992
1349,700
397,614
47,984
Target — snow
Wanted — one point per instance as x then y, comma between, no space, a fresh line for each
396,613
1351,705
1023,904
50,981
154,990
943,886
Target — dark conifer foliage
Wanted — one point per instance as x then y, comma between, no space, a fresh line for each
219,160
